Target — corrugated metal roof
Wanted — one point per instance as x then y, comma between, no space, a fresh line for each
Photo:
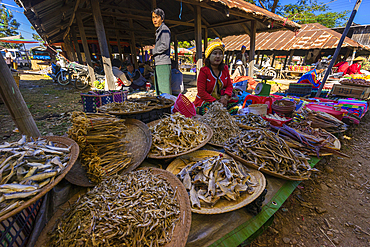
310,36
51,18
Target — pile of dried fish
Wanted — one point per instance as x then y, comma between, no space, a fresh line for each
221,122
316,132
212,178
136,209
306,142
176,134
251,120
102,150
124,107
26,167
267,150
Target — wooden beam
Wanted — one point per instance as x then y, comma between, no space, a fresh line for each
71,19
129,10
273,60
15,103
118,40
290,56
77,46
72,48
198,38
139,17
227,23
133,46
204,21
100,31
68,48
124,28
85,46
205,39
252,48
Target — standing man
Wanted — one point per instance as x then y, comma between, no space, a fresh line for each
161,53
8,58
242,56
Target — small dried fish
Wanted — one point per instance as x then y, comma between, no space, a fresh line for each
251,120
221,122
176,134
124,107
224,178
136,209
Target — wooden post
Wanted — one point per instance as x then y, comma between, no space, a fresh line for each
285,61
108,42
133,45
290,56
142,53
205,39
305,58
263,55
252,48
15,103
119,45
72,49
100,31
258,57
77,46
176,45
198,35
273,60
85,46
67,46
347,54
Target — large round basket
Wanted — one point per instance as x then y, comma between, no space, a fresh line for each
63,142
139,142
182,228
223,205
254,166
208,137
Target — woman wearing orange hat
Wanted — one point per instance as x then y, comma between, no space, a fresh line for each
214,81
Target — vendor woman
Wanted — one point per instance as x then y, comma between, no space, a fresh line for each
214,81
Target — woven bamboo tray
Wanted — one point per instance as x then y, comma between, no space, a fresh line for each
249,127
182,228
223,205
139,142
209,136
118,113
73,155
254,166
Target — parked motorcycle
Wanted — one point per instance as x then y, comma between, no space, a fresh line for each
59,73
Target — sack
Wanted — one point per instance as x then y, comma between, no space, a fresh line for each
241,85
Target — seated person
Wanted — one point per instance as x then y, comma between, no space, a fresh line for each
239,70
121,80
148,70
355,67
311,77
214,81
177,84
137,80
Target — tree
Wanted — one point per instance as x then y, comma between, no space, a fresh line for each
35,36
312,11
9,26
270,5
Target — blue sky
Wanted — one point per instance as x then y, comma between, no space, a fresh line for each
338,5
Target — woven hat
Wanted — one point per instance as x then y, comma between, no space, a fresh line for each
239,62
359,59
213,46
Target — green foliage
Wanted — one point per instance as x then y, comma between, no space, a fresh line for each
9,27
35,36
184,44
312,11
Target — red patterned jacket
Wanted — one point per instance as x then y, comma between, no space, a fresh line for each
206,83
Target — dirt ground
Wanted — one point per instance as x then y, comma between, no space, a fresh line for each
330,209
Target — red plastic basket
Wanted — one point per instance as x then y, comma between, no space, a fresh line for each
184,106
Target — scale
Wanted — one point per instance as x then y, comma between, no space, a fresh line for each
262,88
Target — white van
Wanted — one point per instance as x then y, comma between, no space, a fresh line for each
19,57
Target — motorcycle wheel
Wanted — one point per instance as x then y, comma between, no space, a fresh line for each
62,78
271,73
82,82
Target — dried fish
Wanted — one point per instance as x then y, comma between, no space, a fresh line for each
221,122
224,178
100,138
251,120
124,107
20,177
136,209
176,134
267,150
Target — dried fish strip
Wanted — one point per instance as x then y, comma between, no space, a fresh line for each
102,150
251,120
176,134
136,209
26,167
268,151
213,178
221,122
124,107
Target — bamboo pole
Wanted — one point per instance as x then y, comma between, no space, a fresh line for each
86,47
15,103
100,31
252,48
